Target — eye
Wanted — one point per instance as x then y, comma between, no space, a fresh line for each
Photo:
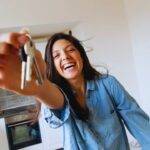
56,55
71,49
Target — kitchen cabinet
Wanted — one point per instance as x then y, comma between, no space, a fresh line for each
51,138
3,135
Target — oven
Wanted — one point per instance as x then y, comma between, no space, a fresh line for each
21,133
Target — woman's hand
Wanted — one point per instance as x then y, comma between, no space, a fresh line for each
10,64
10,72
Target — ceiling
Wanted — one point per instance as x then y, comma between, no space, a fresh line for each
42,31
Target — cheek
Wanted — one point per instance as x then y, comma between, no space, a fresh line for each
57,65
80,61
81,65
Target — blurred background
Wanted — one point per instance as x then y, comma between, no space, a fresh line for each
115,34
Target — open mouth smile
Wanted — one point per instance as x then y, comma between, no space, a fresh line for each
69,66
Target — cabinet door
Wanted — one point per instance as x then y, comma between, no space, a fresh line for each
3,135
51,138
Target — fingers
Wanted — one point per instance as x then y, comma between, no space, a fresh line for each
14,39
3,62
6,49
2,86
3,59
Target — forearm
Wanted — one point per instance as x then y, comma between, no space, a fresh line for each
50,95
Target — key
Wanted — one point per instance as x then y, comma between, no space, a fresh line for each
23,71
32,62
38,72
29,50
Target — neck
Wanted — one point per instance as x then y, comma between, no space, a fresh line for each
78,85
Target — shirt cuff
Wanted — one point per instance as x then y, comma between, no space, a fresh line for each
57,117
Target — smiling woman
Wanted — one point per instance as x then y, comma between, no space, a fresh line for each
92,107
67,60
95,104
68,67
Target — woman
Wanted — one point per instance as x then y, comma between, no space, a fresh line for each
90,106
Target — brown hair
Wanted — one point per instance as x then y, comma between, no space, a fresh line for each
88,71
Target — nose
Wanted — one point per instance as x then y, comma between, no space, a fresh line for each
64,55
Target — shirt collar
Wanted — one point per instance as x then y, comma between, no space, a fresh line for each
90,85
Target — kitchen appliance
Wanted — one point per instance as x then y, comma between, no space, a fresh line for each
20,132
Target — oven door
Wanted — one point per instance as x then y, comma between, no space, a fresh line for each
23,134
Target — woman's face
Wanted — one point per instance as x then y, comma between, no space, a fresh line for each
67,59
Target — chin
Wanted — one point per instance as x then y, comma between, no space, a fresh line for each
71,77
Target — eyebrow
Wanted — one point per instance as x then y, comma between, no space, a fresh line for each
63,49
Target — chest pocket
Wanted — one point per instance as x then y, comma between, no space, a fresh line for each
107,125
112,124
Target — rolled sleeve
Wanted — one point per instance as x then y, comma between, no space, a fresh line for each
136,120
57,117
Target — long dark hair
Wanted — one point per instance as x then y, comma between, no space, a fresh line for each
89,73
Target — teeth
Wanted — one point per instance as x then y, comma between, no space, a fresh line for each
68,65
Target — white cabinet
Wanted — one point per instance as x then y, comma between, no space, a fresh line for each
3,135
51,138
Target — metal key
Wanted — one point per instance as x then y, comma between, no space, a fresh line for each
38,72
23,69
31,62
29,50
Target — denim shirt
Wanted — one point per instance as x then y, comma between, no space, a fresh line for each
111,107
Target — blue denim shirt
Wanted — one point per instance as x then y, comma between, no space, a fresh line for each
111,107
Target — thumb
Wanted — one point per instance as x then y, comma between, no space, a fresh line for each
14,39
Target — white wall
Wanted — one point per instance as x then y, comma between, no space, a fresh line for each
26,12
138,14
